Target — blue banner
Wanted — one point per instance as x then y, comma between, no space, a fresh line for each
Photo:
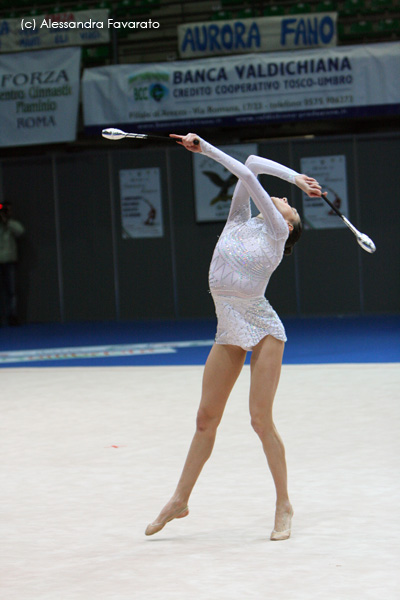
261,34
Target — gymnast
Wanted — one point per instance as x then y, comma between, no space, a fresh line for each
247,253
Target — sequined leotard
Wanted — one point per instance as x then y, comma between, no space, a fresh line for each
247,253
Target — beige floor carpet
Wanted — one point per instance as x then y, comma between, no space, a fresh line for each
90,455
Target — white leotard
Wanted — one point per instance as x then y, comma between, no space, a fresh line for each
247,253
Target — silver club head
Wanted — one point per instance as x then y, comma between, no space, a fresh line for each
113,134
366,243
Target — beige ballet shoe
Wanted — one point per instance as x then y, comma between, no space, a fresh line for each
156,527
277,536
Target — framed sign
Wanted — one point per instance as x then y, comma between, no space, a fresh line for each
330,172
141,205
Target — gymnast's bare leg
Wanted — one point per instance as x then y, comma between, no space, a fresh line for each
221,371
265,365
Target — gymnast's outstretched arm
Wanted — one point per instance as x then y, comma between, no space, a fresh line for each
247,176
275,222
258,165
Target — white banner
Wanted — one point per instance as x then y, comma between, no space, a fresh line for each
214,184
55,31
141,206
342,82
39,96
330,172
261,34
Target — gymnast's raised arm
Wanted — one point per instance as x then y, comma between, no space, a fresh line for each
276,224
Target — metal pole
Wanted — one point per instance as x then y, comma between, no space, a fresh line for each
114,238
172,234
58,239
358,215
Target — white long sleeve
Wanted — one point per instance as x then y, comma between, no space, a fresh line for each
259,165
249,185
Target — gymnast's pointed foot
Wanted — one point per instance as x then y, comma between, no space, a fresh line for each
172,510
283,522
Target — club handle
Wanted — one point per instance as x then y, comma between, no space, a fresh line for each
351,226
333,207
160,138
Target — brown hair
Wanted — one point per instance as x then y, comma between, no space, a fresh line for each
293,237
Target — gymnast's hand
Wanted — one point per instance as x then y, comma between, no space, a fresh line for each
309,185
190,141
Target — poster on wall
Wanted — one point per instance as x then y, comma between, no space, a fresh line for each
330,172
214,184
39,96
141,206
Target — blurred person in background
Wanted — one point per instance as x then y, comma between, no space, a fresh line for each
10,230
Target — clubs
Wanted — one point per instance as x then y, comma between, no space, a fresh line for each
363,240
117,134
366,243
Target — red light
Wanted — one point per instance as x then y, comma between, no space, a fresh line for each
1,206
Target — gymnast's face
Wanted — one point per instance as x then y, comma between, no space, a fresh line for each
289,213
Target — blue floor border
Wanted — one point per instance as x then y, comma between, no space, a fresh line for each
363,339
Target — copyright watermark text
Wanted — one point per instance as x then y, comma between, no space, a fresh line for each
30,23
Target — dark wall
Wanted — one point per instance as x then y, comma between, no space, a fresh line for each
144,266
85,237
75,265
379,184
328,259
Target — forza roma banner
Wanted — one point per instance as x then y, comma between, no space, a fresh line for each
253,89
39,96
262,34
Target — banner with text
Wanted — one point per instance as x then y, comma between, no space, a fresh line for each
39,96
253,89
55,31
261,34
